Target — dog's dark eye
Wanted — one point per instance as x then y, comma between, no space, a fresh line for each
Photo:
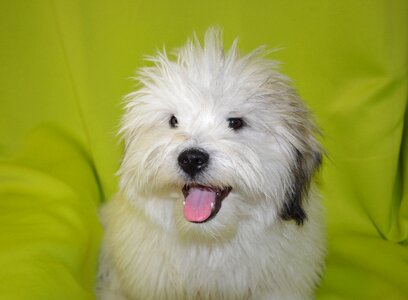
173,122
235,123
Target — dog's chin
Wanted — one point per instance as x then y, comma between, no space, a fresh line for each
200,212
206,213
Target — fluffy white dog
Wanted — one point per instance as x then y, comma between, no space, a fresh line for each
215,199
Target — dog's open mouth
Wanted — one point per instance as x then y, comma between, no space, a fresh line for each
201,202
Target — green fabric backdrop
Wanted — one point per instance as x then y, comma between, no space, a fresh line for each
65,66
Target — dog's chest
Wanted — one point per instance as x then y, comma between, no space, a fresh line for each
195,272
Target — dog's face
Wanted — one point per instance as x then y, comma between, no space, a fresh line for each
214,138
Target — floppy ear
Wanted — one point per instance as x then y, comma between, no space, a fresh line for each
302,170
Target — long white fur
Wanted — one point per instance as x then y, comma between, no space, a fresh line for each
247,251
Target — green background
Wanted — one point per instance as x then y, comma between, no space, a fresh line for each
66,65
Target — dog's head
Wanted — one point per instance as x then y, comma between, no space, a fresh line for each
213,137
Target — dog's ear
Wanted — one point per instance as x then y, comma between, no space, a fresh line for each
302,170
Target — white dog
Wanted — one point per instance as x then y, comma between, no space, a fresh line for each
215,199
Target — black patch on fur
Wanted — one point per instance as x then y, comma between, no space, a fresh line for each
301,176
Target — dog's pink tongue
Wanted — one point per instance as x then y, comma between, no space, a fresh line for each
198,204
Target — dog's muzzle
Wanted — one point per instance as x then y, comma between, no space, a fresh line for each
201,202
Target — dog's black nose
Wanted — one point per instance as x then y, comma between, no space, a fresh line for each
193,161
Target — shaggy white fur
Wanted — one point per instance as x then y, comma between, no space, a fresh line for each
215,199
